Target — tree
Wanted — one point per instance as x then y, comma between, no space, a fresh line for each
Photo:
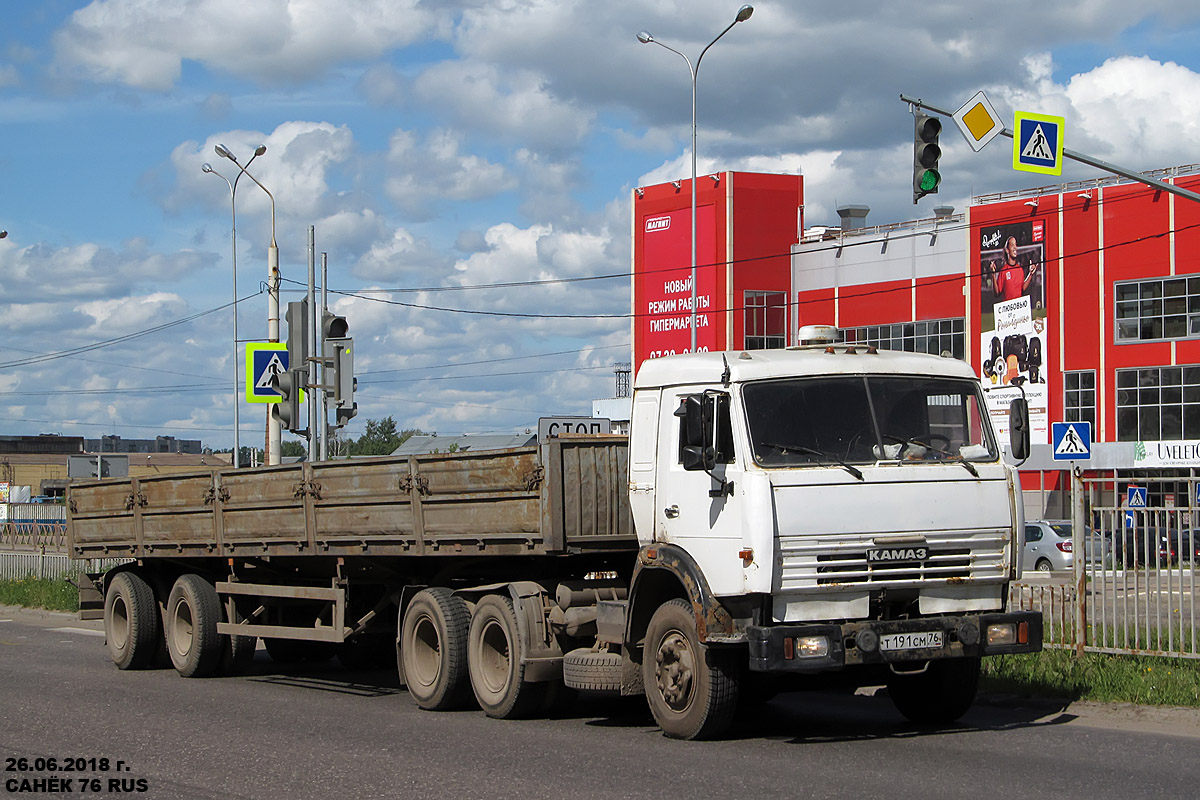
380,438
291,449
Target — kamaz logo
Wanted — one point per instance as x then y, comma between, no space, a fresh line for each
658,224
897,554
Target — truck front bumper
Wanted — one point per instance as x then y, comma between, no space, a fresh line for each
821,647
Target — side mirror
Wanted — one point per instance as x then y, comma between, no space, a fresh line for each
696,411
1018,428
699,457
691,410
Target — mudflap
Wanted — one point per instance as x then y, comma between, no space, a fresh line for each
91,595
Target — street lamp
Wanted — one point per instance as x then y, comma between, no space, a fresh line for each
3,234
644,37
262,148
274,438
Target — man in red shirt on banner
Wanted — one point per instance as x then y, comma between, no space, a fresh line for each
1010,281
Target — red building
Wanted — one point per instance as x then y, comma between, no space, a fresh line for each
1086,297
746,224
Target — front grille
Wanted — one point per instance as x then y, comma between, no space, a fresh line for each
814,562
854,568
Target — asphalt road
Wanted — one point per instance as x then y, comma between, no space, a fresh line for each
322,732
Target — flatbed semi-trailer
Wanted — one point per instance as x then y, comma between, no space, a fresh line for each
773,515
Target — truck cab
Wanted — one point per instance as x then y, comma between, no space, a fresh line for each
827,508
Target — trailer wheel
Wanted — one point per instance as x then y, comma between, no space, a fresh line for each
433,649
494,658
132,628
193,611
692,689
939,695
594,671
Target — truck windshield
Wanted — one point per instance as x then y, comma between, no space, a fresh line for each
862,420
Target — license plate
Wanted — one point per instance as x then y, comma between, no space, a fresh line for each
918,640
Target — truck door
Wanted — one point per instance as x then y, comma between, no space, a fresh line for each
643,454
696,509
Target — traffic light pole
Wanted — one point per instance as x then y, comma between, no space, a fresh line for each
323,427
313,352
1083,158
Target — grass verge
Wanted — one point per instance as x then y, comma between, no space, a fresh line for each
55,595
1099,677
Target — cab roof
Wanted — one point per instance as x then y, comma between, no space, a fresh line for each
751,365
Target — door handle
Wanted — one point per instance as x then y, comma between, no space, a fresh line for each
671,511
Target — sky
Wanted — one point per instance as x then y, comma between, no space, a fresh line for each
444,151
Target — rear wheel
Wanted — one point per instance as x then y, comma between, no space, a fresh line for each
193,611
692,689
1044,566
939,695
494,659
132,627
433,649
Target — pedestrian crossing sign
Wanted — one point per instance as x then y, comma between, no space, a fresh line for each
1038,143
1072,440
264,360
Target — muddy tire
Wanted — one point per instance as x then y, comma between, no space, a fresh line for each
939,695
494,661
132,626
692,689
433,650
592,671
193,611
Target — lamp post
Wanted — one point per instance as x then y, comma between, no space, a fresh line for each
262,148
274,438
644,37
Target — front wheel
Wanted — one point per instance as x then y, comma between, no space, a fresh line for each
939,695
692,689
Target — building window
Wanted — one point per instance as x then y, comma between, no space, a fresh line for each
1158,404
1079,397
765,320
934,336
1153,310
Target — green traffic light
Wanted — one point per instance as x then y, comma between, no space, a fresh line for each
929,180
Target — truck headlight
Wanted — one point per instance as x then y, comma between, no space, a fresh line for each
812,646
1001,634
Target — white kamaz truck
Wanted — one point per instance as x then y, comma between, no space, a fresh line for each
776,518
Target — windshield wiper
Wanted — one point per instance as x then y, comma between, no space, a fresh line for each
828,460
957,459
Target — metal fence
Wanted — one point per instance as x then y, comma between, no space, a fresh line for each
1138,593
54,566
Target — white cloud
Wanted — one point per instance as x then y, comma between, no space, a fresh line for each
517,105
143,43
421,173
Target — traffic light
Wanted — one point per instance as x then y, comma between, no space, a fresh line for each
297,334
333,326
926,153
289,384
340,380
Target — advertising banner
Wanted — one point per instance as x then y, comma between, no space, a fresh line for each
665,307
1014,324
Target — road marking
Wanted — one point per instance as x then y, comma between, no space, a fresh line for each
84,631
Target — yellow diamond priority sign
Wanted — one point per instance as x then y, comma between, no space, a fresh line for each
978,121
